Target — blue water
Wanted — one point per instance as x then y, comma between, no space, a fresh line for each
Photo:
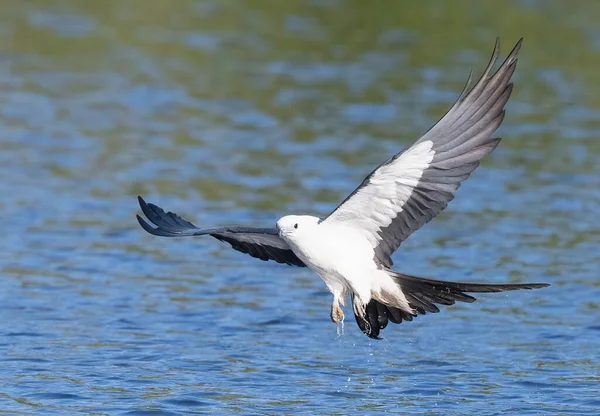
241,112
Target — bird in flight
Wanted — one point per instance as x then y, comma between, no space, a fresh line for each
351,248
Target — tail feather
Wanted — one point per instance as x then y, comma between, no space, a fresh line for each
423,295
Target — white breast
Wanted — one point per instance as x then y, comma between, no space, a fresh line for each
340,255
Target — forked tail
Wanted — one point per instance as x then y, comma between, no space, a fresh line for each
423,296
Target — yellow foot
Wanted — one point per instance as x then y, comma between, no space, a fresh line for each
337,314
337,317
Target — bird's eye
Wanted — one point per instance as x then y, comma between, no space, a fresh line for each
296,225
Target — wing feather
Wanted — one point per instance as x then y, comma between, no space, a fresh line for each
414,186
261,243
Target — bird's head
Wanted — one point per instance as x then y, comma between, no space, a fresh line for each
292,227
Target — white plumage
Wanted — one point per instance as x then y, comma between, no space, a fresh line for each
373,207
351,248
342,254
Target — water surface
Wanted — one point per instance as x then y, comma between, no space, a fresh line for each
240,112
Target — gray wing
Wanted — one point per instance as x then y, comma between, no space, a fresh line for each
261,243
414,186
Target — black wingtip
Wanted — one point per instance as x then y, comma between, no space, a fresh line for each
158,231
536,285
140,220
143,206
493,58
517,47
519,43
512,56
145,225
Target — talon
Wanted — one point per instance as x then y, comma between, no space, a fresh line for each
337,315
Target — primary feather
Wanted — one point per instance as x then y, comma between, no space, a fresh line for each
415,185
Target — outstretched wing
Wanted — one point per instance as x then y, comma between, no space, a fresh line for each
261,243
414,186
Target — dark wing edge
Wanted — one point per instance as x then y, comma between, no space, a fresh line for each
168,224
461,138
476,108
260,243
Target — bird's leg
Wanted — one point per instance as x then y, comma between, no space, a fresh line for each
337,314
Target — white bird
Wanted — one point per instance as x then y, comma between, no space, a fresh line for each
351,248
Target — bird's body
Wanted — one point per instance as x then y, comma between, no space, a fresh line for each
344,259
351,248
